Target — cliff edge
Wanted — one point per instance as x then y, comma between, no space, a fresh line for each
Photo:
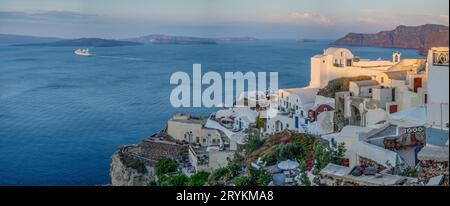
421,37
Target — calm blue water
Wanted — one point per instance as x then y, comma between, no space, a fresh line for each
62,116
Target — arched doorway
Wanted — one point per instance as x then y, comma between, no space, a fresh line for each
278,126
356,116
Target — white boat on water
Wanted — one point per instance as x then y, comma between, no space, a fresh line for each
82,52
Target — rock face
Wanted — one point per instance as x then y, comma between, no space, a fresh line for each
134,165
409,37
122,175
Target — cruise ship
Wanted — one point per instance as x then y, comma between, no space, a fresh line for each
82,52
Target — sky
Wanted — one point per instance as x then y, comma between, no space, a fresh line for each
271,19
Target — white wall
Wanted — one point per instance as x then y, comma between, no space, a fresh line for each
384,95
373,116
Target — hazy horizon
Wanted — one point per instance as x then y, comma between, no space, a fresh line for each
263,19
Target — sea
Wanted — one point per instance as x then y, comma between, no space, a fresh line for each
62,116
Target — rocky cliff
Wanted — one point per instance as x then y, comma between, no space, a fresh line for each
127,172
409,37
134,165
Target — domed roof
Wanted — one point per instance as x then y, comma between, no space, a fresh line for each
334,51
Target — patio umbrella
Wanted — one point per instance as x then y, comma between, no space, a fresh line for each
288,165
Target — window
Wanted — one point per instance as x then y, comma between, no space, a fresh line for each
349,62
382,80
287,125
393,94
370,90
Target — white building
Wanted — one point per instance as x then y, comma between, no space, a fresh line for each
438,97
340,62
438,88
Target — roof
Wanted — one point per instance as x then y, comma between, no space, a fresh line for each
353,131
366,83
433,153
439,49
333,50
342,172
411,117
409,65
390,130
335,170
396,75
306,94
186,118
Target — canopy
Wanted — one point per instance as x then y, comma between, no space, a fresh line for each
288,165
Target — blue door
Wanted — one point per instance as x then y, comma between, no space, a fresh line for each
296,122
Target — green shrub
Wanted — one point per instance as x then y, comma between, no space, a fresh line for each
325,155
339,85
270,155
219,173
259,177
243,181
234,169
179,180
253,143
260,123
133,163
402,170
198,179
287,152
165,166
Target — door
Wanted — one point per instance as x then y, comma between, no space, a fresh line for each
296,122
393,109
417,83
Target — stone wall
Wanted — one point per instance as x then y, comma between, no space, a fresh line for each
433,168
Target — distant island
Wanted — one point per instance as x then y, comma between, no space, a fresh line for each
408,37
166,39
22,40
83,42
304,40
